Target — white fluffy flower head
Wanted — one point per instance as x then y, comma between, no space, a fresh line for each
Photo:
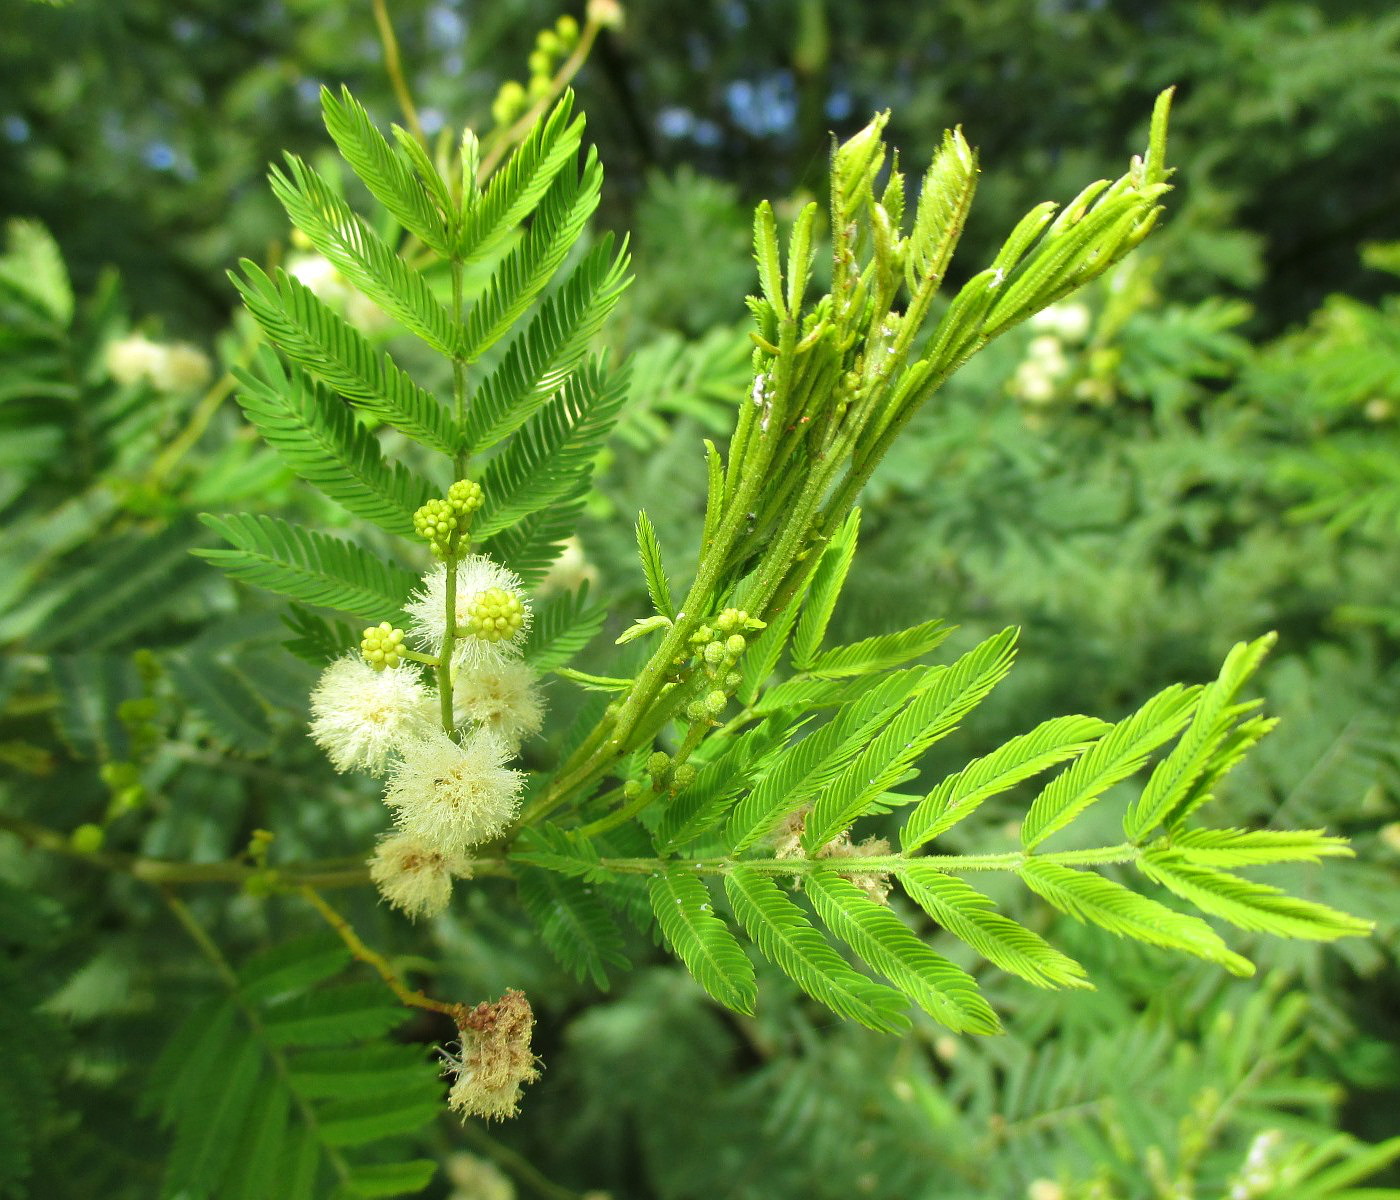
360,717
491,610
415,876
453,796
501,697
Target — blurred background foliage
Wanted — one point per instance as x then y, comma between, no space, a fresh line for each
1203,448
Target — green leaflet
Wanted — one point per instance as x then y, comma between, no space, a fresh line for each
274,1089
1256,847
879,653
1118,754
516,188
530,545
382,170
361,255
573,923
932,714
654,570
960,794
562,626
553,454
701,940
1248,904
947,993
1094,900
321,441
787,939
321,342
308,566
822,592
532,261
972,918
1215,715
812,762
541,356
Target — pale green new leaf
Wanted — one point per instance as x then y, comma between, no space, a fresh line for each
319,340
946,992
319,438
879,653
932,714
649,550
701,940
822,592
944,199
1215,715
972,918
1094,900
361,255
517,187
960,794
1116,755
1248,904
308,566
765,253
382,171
1228,755
787,939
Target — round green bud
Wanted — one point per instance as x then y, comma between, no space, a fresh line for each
715,702
632,789
658,763
540,64
731,620
118,775
88,838
566,29
696,711
714,653
684,775
465,497
733,680
435,522
736,644
495,615
702,635
382,646
540,86
548,43
509,103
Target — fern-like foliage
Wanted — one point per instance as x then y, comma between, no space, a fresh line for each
283,1085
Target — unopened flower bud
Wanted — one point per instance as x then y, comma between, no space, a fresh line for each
684,776
88,838
715,702
382,646
495,615
658,763
632,788
736,644
714,653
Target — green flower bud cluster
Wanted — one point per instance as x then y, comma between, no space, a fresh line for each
552,46
659,768
495,615
123,780
382,646
441,523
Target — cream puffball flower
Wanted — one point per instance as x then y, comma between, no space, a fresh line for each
360,717
414,876
491,611
453,796
501,697
133,359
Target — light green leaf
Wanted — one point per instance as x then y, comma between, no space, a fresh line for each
701,940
